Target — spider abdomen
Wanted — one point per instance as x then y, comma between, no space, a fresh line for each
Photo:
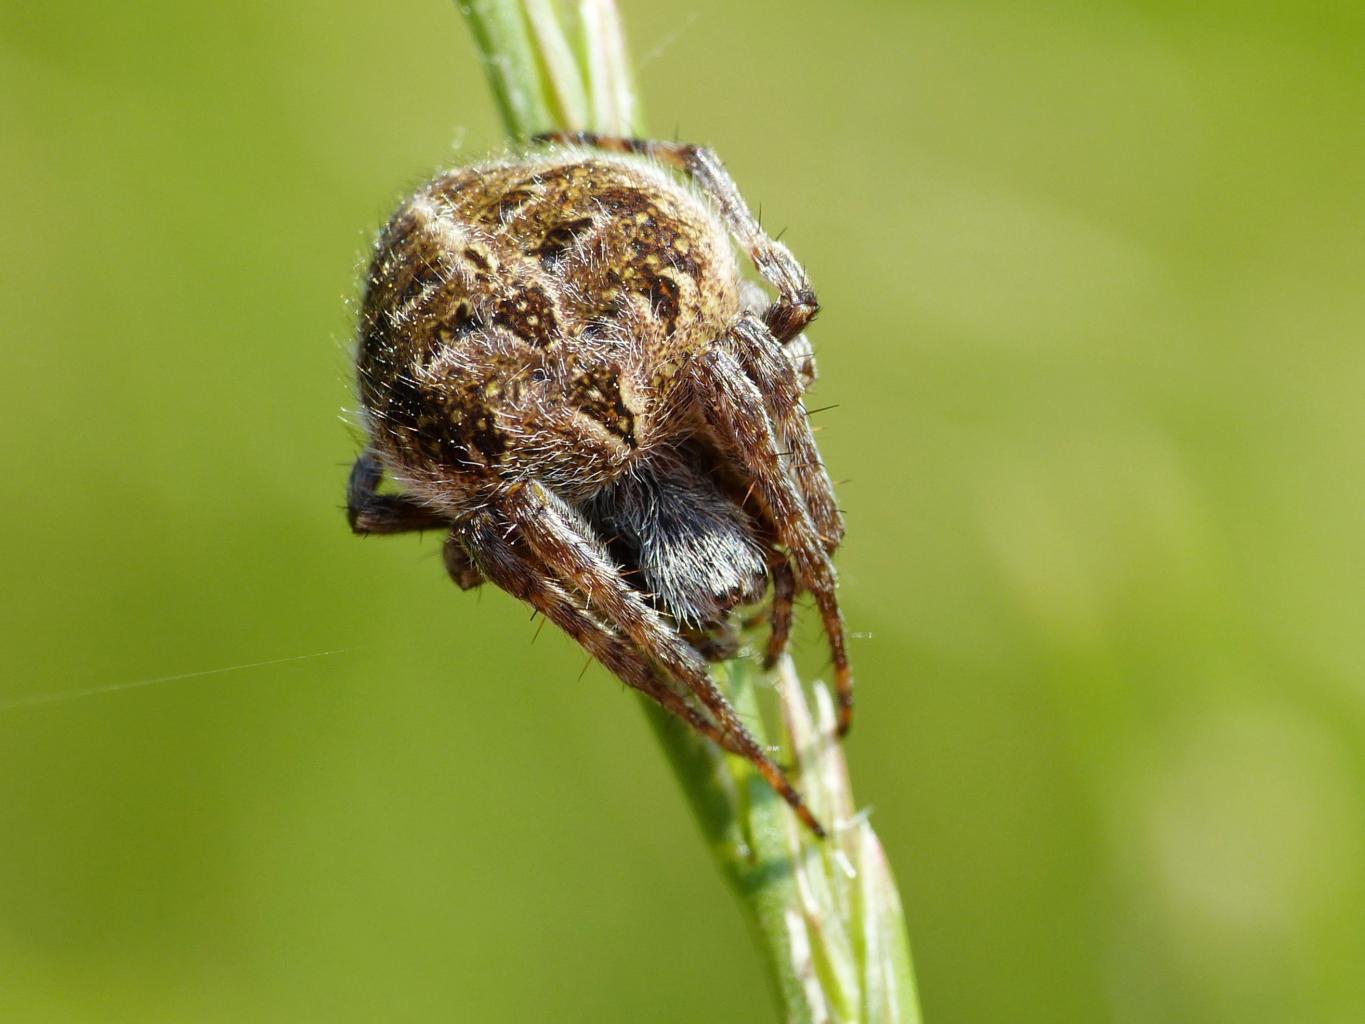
521,313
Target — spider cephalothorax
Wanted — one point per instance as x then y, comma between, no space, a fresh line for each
560,365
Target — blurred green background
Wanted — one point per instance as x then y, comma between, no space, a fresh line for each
1092,274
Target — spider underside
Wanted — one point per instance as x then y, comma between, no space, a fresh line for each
560,366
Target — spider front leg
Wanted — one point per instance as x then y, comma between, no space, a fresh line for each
776,377
796,305
734,409
564,548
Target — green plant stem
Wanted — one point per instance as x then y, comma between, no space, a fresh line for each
752,850
503,35
825,914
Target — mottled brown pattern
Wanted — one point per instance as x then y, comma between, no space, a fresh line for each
559,365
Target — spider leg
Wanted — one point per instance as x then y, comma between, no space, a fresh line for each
563,546
459,566
735,410
780,618
371,512
509,566
776,377
796,305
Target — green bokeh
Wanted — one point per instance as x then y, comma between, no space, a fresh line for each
1095,326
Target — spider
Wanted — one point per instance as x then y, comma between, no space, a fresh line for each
560,366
